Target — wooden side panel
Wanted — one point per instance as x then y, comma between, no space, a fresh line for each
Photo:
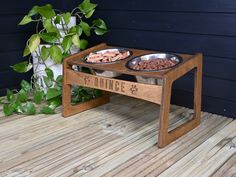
146,92
166,137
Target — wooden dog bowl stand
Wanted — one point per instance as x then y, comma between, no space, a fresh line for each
159,94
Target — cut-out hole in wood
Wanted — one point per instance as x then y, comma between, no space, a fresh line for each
81,94
180,88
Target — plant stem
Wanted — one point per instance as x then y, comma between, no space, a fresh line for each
57,10
79,16
38,56
74,10
65,29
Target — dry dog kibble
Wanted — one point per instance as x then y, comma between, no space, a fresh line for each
154,64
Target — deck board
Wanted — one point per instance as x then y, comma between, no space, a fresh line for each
117,139
228,169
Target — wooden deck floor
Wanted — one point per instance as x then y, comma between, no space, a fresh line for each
117,139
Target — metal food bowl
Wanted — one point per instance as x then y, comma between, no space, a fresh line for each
108,73
148,80
105,73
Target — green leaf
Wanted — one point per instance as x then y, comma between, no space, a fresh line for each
66,43
59,81
22,96
66,17
22,67
26,51
52,93
97,93
50,37
25,85
47,24
84,94
56,54
79,30
46,11
1,100
47,110
49,73
33,11
48,81
65,55
55,102
99,23
44,53
8,109
57,86
83,44
10,95
76,40
72,30
27,19
99,31
38,96
28,108
89,14
85,28
57,19
34,42
59,78
16,106
86,6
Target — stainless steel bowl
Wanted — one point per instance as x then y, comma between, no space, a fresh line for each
163,56
148,80
108,73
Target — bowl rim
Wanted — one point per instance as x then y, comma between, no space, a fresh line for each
159,70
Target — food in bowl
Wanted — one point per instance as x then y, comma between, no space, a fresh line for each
107,56
153,64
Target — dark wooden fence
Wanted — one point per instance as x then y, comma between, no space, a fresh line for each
173,26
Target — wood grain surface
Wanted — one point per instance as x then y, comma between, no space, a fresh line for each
116,139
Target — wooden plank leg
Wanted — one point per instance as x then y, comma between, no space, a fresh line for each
66,99
166,137
164,113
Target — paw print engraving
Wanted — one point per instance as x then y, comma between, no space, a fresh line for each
133,89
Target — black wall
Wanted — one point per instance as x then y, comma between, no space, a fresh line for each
207,26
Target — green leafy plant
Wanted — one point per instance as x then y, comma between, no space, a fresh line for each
60,40
52,30
30,101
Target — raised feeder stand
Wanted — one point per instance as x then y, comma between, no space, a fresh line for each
159,94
